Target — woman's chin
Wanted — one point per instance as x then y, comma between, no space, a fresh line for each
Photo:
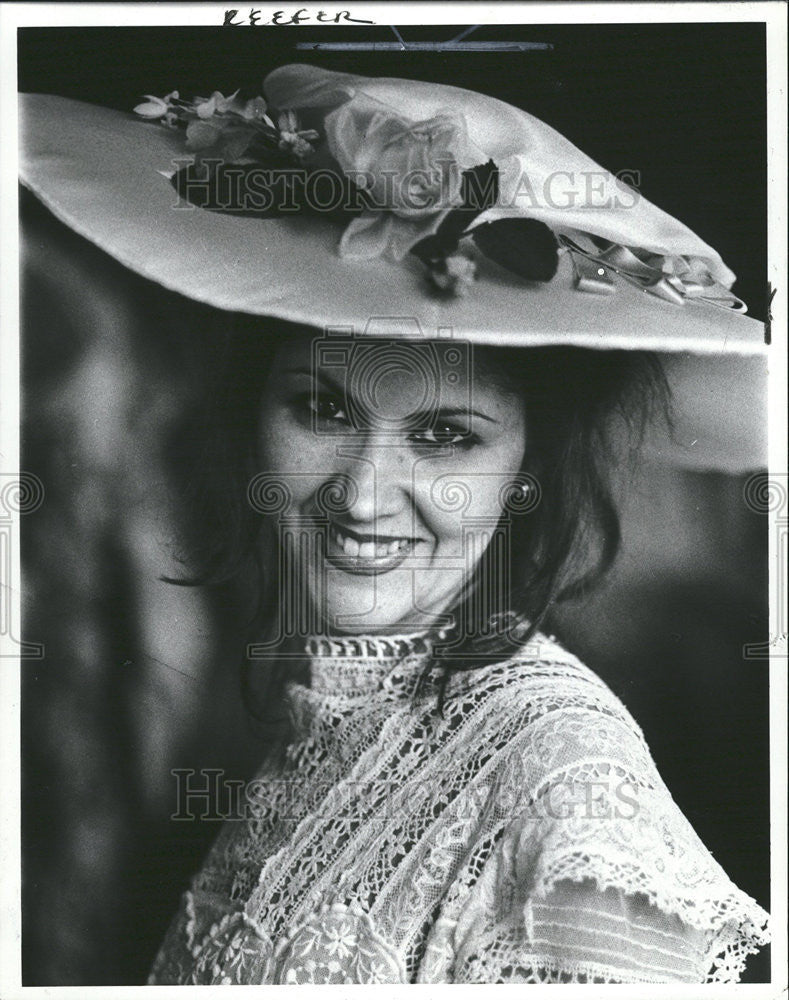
351,618
355,603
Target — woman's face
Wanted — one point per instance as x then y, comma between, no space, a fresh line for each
394,457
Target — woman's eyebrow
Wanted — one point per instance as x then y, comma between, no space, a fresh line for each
319,375
426,415
459,411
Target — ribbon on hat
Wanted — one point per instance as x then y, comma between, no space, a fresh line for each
674,279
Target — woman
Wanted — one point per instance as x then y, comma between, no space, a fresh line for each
457,799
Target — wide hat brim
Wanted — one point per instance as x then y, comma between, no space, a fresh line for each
103,174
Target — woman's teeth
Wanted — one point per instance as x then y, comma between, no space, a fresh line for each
368,550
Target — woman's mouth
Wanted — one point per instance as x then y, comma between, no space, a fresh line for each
353,552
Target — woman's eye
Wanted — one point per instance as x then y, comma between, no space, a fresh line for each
327,409
443,435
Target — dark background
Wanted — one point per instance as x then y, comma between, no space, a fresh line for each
103,865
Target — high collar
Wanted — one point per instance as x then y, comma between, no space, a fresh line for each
358,666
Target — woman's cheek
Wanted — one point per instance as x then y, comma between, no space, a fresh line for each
450,506
285,444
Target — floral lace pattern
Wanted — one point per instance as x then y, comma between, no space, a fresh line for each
388,844
338,945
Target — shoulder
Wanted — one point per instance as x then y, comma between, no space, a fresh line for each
541,663
556,737
579,802
544,688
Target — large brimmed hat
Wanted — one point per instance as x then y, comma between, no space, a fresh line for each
454,212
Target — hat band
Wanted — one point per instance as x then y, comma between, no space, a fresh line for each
674,279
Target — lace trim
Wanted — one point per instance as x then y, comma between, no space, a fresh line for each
358,666
669,860
735,908
535,969
369,647
733,933
361,666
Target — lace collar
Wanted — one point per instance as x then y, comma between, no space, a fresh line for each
355,666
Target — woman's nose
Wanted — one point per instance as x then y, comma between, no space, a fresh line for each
378,476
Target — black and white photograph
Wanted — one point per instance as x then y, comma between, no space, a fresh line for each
394,500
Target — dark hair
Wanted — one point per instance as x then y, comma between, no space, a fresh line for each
578,403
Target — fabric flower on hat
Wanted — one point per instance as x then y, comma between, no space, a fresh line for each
152,107
409,170
217,103
454,274
231,127
292,138
163,109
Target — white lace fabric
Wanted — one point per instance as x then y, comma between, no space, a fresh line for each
525,836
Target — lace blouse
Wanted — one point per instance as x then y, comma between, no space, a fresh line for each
525,836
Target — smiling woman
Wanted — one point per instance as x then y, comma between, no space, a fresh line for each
415,456
397,459
394,558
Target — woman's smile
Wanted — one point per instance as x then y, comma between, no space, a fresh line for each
366,553
372,451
